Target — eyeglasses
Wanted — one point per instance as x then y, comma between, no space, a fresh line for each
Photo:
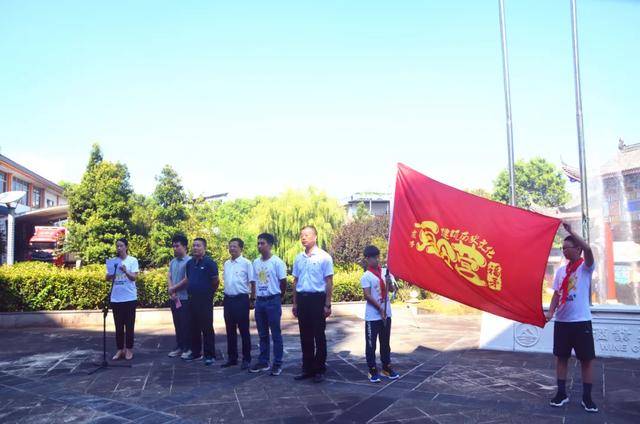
569,247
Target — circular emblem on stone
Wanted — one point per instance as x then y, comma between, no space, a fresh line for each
527,335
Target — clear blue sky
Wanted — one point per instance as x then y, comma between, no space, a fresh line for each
254,97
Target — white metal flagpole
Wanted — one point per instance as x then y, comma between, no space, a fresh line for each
507,104
584,197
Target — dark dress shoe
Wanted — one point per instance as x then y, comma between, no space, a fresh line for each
229,364
303,376
319,378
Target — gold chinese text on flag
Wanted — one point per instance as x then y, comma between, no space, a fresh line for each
472,250
469,255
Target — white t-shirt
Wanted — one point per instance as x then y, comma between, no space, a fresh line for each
577,306
369,280
268,275
312,269
237,274
124,290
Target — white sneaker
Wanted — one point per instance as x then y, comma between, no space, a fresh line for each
186,354
175,353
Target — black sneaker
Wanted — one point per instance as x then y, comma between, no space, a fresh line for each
559,400
589,406
276,370
229,364
259,367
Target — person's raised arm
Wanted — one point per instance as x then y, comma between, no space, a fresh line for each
586,249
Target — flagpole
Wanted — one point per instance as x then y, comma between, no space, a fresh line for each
584,199
507,104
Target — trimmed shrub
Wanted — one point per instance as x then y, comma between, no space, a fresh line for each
37,286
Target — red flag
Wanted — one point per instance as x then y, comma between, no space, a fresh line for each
478,252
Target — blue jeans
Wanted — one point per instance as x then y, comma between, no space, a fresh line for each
268,314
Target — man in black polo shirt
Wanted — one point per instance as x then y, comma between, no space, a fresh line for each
202,277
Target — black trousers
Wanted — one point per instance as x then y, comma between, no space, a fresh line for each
181,323
202,335
375,330
236,317
124,318
312,323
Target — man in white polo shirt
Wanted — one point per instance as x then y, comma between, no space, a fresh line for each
313,287
270,275
238,274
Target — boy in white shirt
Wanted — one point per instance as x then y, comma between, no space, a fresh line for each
376,283
572,328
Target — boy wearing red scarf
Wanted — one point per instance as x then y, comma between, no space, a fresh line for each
572,328
376,284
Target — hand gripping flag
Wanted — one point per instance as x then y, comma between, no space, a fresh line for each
475,251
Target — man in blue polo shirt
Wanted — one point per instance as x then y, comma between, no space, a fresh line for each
202,283
313,287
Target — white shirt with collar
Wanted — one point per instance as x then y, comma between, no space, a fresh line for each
312,269
237,275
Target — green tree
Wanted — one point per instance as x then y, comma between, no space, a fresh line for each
100,209
537,182
285,215
362,212
141,222
481,192
169,213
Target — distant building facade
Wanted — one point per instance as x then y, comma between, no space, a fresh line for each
377,204
43,204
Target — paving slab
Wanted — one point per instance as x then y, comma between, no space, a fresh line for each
445,379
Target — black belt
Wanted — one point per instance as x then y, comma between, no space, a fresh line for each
304,294
273,296
235,296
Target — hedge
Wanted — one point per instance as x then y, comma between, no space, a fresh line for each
37,286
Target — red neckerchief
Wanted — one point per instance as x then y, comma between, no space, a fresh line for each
378,273
572,267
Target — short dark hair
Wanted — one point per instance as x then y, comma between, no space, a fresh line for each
311,227
371,251
201,240
269,238
572,240
237,240
179,238
123,241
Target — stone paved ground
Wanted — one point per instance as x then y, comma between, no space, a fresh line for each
445,379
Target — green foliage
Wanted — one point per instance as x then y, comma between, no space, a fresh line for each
100,209
34,286
479,192
38,286
352,238
362,212
346,286
284,216
537,182
168,213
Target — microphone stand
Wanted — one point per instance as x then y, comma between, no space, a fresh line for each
104,365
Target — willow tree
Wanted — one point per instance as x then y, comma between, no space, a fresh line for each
285,215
